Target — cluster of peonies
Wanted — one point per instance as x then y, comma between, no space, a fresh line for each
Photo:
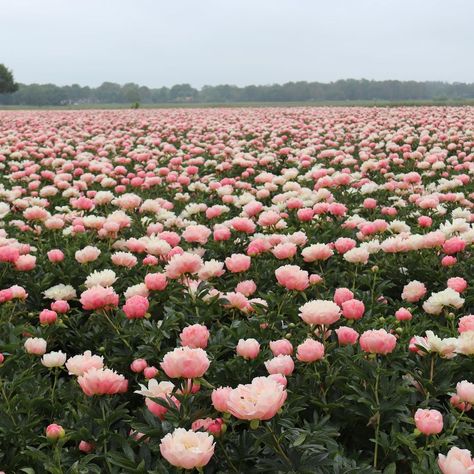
278,252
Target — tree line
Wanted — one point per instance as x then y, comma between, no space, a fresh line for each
302,91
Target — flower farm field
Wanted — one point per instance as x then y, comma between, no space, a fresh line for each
279,290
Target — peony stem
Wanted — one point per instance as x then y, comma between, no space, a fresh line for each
278,446
377,415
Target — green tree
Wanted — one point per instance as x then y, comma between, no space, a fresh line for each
7,83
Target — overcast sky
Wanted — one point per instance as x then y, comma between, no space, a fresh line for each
164,42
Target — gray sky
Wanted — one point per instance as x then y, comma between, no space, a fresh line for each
158,42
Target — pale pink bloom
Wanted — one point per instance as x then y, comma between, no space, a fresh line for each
185,362
54,359
346,336
136,307
155,389
185,263
9,254
292,277
87,254
341,295
211,269
248,348
102,382
457,461
448,261
35,345
195,336
150,372
282,346
413,291
459,404
237,263
315,279
465,391
187,449
377,341
466,323
124,259
281,364
211,425
353,309
219,397
48,316
317,252
156,281
55,256
80,364
99,297
25,263
138,365
429,422
18,292
284,250
357,255
457,284
259,400
343,244
454,245
243,224
268,218
238,301
310,351
403,314
196,234
246,287
321,312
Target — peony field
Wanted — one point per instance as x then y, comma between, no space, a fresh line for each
237,290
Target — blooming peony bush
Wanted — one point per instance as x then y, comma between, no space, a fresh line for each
237,290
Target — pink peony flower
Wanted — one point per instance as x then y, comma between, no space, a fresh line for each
465,391
457,284
136,307
80,364
321,312
248,348
185,362
98,297
187,449
162,390
429,422
156,281
346,336
138,365
413,291
292,277
310,351
377,341
457,461
102,382
281,364
237,263
353,309
403,314
195,336
282,346
55,256
35,345
259,400
220,397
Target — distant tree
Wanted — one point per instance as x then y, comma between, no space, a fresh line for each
7,83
